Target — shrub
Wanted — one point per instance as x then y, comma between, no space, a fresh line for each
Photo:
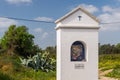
40,61
5,77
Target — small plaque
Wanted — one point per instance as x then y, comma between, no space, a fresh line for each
79,66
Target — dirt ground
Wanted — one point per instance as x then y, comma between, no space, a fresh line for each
102,75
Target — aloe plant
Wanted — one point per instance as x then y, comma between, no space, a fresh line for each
40,61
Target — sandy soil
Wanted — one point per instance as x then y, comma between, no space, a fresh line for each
102,75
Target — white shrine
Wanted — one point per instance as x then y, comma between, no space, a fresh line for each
77,46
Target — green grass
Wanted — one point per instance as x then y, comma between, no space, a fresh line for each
32,75
11,68
110,61
115,73
5,77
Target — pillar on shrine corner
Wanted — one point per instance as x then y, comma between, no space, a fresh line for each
77,46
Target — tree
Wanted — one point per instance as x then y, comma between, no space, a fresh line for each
52,51
109,49
8,41
118,48
106,49
18,40
0,46
24,41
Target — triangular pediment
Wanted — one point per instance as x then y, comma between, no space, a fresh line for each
78,17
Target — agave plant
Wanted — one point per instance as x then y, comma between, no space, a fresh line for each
40,61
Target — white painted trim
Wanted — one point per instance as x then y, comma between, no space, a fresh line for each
77,27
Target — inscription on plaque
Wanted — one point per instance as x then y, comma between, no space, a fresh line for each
79,66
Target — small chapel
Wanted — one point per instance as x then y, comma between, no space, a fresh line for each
77,45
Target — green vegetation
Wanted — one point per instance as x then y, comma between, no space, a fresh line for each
11,68
109,49
17,40
115,73
21,59
110,61
5,77
40,61
52,51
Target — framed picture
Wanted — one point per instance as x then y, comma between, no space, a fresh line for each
77,51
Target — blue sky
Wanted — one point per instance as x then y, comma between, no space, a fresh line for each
50,10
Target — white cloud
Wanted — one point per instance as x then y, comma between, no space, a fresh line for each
90,8
37,30
110,15
47,19
5,23
45,39
41,35
107,9
45,34
18,1
110,9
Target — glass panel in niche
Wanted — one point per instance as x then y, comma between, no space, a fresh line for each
77,51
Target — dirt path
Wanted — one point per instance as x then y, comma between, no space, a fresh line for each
102,75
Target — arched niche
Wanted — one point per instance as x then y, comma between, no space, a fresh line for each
77,51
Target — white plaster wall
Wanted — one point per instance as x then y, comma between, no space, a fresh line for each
59,54
65,68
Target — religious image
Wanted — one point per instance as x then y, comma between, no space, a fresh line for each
77,51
